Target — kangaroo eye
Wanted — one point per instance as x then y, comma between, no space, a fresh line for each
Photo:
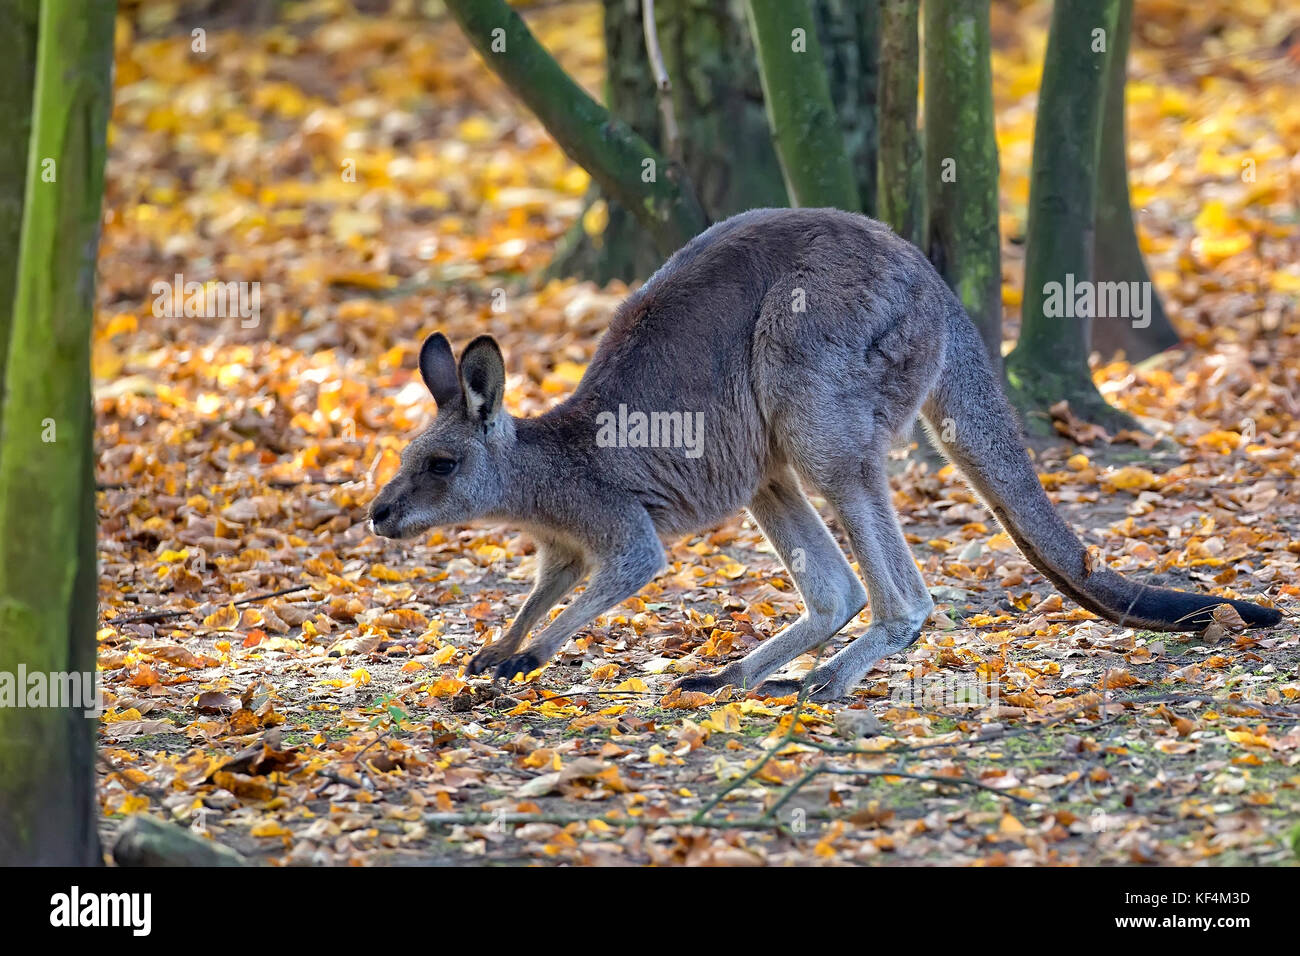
443,466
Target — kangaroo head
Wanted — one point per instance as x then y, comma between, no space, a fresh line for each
454,471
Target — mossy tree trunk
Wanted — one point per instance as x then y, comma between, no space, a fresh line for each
718,104
17,66
901,194
607,242
1050,361
1116,255
849,34
805,126
717,97
961,160
48,575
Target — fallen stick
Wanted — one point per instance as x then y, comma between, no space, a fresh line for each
480,817
164,615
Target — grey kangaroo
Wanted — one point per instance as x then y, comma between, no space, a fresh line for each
808,339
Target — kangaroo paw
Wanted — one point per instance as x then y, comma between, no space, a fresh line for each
487,659
523,663
823,689
702,683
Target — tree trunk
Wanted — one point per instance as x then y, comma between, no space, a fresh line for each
627,167
718,99
1117,257
805,127
718,103
144,841
17,65
901,196
619,247
961,159
1050,361
718,95
47,509
849,33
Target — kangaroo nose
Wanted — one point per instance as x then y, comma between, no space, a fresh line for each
379,514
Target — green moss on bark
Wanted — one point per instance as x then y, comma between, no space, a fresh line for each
627,167
47,538
961,154
805,127
1117,256
1050,361
901,197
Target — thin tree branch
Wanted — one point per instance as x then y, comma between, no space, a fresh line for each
627,168
664,86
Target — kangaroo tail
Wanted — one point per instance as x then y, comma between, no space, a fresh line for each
973,424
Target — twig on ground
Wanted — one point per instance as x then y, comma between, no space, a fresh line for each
790,734
474,817
164,615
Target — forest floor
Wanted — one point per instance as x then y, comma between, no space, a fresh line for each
334,724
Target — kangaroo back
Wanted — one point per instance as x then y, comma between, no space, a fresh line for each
973,424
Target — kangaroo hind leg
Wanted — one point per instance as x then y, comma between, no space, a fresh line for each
831,592
900,602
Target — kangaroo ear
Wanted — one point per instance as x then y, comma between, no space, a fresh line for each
483,378
438,369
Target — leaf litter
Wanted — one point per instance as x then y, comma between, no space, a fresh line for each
333,724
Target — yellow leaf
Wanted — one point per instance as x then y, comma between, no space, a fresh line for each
732,570
269,828
596,218
1224,442
382,572
133,803
113,716
1131,478
1247,738
446,686
223,619
724,720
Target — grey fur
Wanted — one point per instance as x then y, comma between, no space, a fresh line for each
788,397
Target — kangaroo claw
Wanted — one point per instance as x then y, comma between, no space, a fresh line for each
523,663
822,690
700,683
483,662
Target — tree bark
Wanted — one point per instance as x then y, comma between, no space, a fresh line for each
1050,361
718,101
717,95
17,65
849,33
1116,254
627,167
144,841
805,127
961,159
622,248
47,538
901,197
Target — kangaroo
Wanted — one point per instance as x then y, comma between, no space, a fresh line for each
803,341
